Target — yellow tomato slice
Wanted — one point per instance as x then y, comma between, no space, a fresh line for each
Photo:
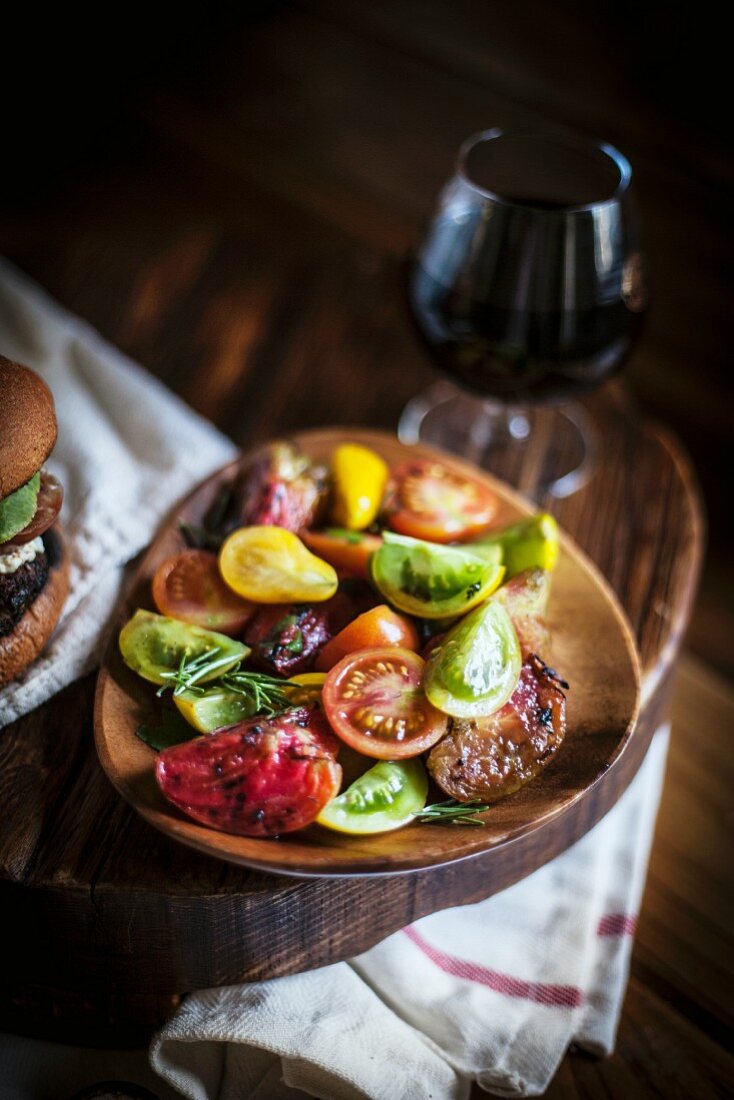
271,565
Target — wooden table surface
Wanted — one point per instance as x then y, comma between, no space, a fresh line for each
250,223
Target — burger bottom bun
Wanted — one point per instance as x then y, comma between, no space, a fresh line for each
31,633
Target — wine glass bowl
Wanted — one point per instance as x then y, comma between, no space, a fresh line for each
528,286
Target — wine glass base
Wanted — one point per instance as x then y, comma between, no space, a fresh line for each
541,450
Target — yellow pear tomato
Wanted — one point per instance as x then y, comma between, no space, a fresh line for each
271,565
359,477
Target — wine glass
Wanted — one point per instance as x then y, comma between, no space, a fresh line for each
528,289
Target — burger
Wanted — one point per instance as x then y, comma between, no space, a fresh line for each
34,572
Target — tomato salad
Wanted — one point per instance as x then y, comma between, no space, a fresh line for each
335,640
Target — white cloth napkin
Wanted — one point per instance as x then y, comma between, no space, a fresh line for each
127,450
493,992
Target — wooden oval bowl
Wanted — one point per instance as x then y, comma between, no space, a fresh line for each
593,649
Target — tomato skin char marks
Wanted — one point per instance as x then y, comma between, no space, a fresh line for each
489,758
259,778
280,488
286,638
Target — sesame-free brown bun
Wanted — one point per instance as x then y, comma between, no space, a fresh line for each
31,633
27,425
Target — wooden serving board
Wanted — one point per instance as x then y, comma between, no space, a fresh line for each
111,920
593,647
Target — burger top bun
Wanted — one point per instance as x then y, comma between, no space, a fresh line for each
27,425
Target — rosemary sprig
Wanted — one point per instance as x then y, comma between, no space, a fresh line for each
452,812
268,694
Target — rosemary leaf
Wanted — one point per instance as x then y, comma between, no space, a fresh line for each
452,812
197,675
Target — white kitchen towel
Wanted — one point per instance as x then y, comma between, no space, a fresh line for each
127,450
492,993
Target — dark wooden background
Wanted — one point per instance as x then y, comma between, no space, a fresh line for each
210,193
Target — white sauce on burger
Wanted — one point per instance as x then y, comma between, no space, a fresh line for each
11,562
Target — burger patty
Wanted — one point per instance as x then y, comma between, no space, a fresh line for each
18,590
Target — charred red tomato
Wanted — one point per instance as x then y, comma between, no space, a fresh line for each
48,505
286,638
258,778
374,702
489,758
428,501
279,488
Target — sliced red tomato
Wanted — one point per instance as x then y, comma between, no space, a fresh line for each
258,778
379,627
426,500
48,505
374,702
189,587
348,551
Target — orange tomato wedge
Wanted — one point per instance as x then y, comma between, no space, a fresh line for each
348,551
381,626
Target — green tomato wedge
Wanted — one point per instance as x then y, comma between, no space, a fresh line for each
530,544
383,799
432,581
152,645
475,669
488,551
214,709
18,509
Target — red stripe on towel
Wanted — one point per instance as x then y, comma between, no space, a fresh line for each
544,993
617,924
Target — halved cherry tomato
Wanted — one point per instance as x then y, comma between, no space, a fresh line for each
348,551
379,627
430,580
359,477
154,646
382,799
271,565
214,708
375,703
533,543
475,669
426,500
48,505
262,777
189,587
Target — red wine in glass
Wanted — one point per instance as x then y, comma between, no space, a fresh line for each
527,289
